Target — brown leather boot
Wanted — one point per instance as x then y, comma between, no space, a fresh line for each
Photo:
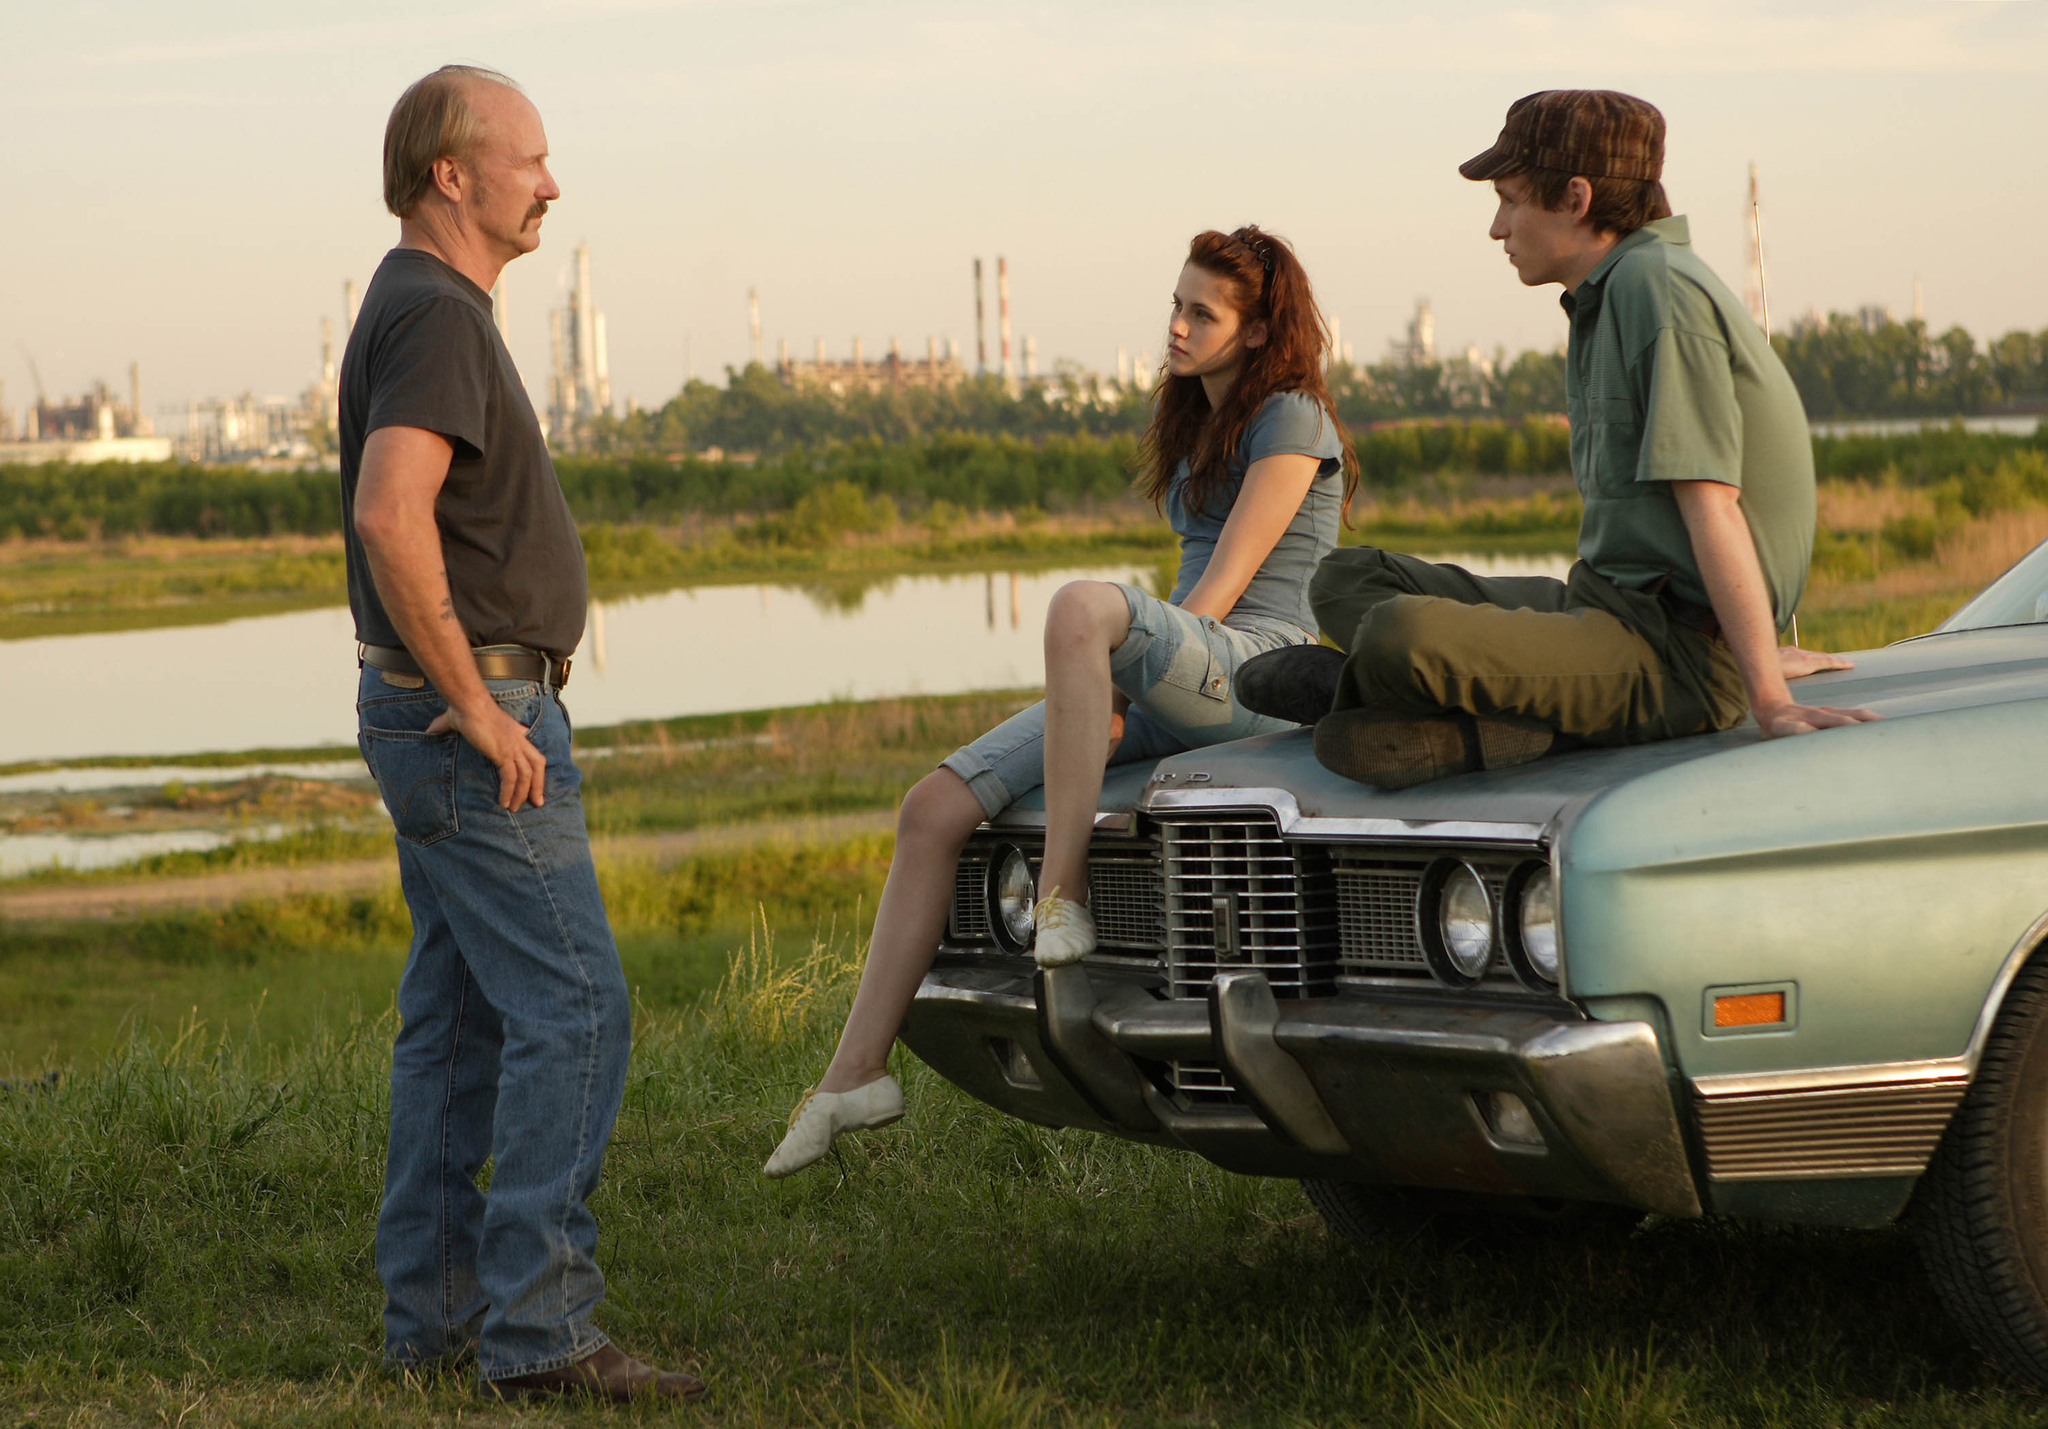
1390,751
608,1374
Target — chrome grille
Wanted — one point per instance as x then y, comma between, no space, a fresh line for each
1376,912
1125,893
1128,899
1832,1131
1238,897
968,922
1204,1083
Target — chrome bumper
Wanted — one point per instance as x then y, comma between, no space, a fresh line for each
1345,1087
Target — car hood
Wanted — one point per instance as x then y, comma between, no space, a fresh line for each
1924,676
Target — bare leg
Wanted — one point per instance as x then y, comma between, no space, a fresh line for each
932,827
1087,620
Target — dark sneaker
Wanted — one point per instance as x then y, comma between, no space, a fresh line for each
1296,683
1390,751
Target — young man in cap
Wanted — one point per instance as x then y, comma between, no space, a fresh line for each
1690,449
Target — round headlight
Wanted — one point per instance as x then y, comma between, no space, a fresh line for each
1465,918
1009,899
1536,920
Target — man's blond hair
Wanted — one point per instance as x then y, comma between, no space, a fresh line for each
432,120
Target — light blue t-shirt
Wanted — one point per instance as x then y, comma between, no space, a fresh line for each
1286,424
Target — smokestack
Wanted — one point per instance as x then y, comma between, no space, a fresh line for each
1336,343
781,352
931,351
1123,366
561,401
856,352
754,323
1919,308
498,312
821,352
980,324
136,429
583,336
1003,316
1030,357
350,305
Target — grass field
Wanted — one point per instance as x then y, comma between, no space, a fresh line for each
186,1222
186,1211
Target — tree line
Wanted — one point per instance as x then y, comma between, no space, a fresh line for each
1841,367
946,471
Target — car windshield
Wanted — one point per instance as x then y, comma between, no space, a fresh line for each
2019,597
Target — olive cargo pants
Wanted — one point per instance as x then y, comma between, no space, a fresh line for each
1591,660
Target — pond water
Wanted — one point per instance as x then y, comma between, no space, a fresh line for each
27,853
288,681
2020,425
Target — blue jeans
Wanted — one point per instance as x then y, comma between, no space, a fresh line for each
516,1024
1177,669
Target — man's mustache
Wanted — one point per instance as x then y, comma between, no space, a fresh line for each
537,210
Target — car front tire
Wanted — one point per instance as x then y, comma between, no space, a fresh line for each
1980,1213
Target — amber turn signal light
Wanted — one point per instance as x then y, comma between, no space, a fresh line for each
1749,1009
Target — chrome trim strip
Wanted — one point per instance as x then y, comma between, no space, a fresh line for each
1112,821
1931,1072
1287,809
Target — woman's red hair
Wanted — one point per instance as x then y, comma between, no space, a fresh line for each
1269,283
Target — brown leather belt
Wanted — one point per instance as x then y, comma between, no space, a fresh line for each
493,662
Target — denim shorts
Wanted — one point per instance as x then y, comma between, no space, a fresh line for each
1177,669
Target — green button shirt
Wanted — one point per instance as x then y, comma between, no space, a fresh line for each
1668,379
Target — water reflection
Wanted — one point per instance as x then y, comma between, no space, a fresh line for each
289,681
28,853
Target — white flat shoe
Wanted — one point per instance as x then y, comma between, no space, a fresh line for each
821,1116
1065,931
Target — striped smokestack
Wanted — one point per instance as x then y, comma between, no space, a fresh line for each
980,324
1003,315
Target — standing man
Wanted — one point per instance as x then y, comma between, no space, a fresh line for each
466,579
1690,449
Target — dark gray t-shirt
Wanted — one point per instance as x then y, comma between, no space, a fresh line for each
425,352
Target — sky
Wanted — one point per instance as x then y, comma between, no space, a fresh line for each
188,185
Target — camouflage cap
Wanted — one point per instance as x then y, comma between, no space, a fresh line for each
1597,133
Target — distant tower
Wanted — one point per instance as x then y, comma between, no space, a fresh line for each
561,390
330,391
1123,366
583,337
821,352
1141,372
1003,316
781,352
754,324
1336,347
980,324
1919,307
140,424
498,313
1030,357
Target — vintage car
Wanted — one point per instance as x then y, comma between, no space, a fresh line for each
1792,980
